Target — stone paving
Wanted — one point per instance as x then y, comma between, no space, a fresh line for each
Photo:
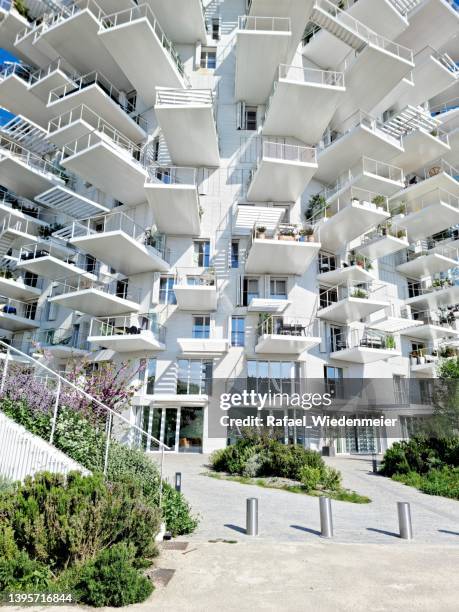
290,517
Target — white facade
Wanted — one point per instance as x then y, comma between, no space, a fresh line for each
173,151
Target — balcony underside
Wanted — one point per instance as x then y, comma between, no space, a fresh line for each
350,309
42,87
267,305
53,268
301,110
129,343
65,38
18,99
70,132
17,290
382,246
190,134
23,179
94,98
420,149
111,170
175,208
122,252
350,274
14,238
205,347
419,190
429,220
371,182
197,298
427,265
13,322
426,369
325,50
434,21
372,75
348,150
381,16
61,351
363,354
70,203
141,56
258,55
270,256
182,20
285,345
393,324
11,23
247,215
447,296
96,303
349,223
279,180
430,332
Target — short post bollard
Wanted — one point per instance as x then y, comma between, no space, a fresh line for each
178,481
404,520
326,522
375,464
252,516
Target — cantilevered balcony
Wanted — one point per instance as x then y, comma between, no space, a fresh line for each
203,347
433,293
355,270
343,146
438,324
182,20
187,120
286,334
11,23
128,333
249,215
371,175
110,161
61,30
70,203
352,302
94,91
61,343
19,286
16,231
282,173
196,289
298,89
419,263
16,315
122,244
54,260
395,318
286,249
137,42
24,172
96,298
386,239
173,195
16,96
346,217
57,73
363,346
262,44
430,213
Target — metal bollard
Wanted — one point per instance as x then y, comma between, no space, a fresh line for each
326,522
375,464
178,481
404,520
252,516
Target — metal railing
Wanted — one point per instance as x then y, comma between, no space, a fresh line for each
144,11
369,166
353,196
289,152
389,228
444,107
283,231
195,277
169,96
288,325
172,175
62,337
26,207
31,252
367,338
366,291
127,325
22,71
446,61
358,119
25,310
267,24
60,390
443,317
19,277
436,196
16,151
314,76
107,135
434,284
24,226
417,250
119,288
57,64
119,221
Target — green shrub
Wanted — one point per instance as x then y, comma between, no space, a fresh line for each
443,482
6,485
253,466
20,573
420,454
310,477
177,512
110,579
38,423
331,479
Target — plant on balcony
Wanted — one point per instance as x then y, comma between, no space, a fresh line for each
21,8
447,352
317,203
379,201
399,210
308,233
6,273
359,293
260,232
390,342
286,233
265,323
401,234
46,231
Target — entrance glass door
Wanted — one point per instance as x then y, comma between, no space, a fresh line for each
181,429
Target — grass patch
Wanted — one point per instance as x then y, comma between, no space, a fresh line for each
271,483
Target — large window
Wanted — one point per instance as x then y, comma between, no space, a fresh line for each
166,290
202,253
274,376
278,289
148,375
237,331
250,290
208,58
201,326
334,380
235,254
194,377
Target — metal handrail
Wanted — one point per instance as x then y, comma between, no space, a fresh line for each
431,198
26,207
172,175
444,107
131,324
370,166
30,159
57,64
25,226
358,119
26,310
349,197
76,258
121,289
389,228
370,338
200,277
170,96
289,152
60,336
20,70
304,74
114,139
267,24
342,291
437,283
288,325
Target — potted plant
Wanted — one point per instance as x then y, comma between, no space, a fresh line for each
359,293
286,234
261,232
390,342
401,234
308,233
317,203
379,201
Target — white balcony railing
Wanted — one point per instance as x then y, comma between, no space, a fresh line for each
22,71
436,196
32,160
18,308
31,252
289,152
359,119
62,337
366,291
195,277
368,338
289,326
384,230
107,135
354,195
172,175
118,288
166,96
266,24
131,324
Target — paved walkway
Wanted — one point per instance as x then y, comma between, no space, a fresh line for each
289,517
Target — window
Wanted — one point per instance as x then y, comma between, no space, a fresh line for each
52,310
334,380
90,264
194,377
326,262
148,375
235,254
166,290
201,326
250,290
250,118
30,279
237,331
208,58
278,289
274,376
122,288
215,28
202,253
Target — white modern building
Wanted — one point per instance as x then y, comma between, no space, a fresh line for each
231,189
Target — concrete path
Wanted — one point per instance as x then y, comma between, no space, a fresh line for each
289,517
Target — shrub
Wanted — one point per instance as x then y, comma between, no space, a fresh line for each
253,466
20,573
443,482
310,477
331,479
110,579
177,512
420,454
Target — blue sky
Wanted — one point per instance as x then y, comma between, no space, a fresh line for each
5,56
